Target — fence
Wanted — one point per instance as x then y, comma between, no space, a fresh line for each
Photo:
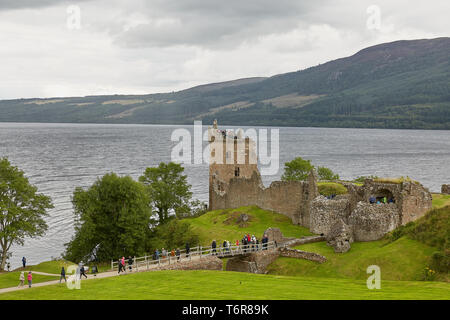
199,252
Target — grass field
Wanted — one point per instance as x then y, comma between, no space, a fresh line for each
403,259
198,285
222,224
440,200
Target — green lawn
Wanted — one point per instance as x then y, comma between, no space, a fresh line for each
198,285
403,259
221,224
440,200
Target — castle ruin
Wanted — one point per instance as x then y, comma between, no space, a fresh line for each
235,181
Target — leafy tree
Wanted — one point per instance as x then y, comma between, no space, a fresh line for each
173,234
168,189
297,169
326,174
113,217
22,209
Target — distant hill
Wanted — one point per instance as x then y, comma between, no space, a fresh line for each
402,84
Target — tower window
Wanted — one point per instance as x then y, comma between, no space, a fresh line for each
236,172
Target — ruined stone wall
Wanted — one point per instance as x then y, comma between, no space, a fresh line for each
287,198
416,201
206,263
256,262
445,189
371,222
299,254
325,213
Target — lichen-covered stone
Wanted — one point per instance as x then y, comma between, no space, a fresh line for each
340,237
325,213
371,222
445,189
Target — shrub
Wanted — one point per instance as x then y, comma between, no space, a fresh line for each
330,188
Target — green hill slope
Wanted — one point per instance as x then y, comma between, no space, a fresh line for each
402,84
223,225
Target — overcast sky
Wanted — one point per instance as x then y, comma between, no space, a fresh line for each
51,48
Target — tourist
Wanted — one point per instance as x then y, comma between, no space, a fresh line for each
156,255
188,249
130,263
30,279
384,200
24,261
257,244
119,264
224,245
63,275
164,253
94,270
178,253
82,272
21,279
8,266
372,199
213,246
122,261
172,253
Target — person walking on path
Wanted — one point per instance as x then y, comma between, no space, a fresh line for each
178,253
188,249
122,261
24,261
21,279
63,275
130,263
30,279
8,266
119,264
214,246
82,272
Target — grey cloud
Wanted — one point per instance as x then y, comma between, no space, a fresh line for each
30,4
209,23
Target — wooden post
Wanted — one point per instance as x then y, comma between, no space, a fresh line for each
200,252
146,261
169,258
135,262
112,265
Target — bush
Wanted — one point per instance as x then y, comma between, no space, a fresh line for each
440,261
361,179
330,188
326,174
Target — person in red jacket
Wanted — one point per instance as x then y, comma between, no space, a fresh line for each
30,279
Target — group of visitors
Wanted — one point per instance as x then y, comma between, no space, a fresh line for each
164,254
22,279
122,264
382,200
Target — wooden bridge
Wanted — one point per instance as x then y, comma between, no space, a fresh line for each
199,252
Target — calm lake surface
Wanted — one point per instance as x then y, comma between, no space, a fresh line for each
57,158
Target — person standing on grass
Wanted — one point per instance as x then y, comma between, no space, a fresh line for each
63,275
21,279
123,264
30,279
8,266
24,261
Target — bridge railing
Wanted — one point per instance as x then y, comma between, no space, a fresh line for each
199,252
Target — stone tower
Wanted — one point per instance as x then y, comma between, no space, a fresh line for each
231,156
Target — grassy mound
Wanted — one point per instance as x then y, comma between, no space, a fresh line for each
225,225
188,285
432,229
440,200
400,260
329,188
53,266
395,180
